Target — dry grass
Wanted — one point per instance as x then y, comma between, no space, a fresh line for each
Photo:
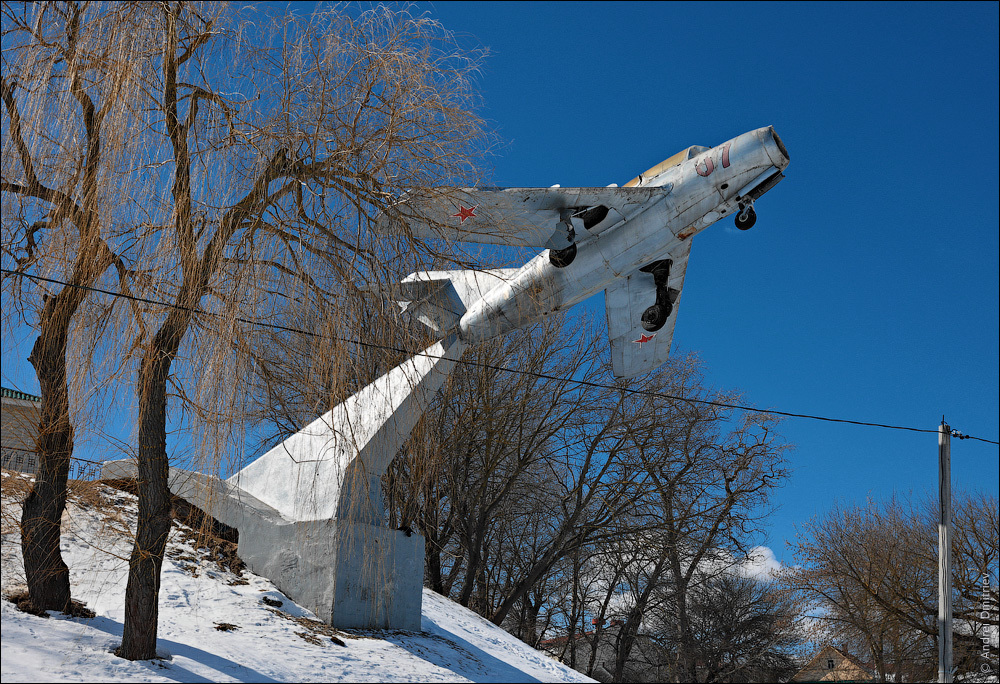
14,486
23,602
107,500
316,629
13,489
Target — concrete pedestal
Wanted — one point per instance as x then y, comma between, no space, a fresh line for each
310,513
352,575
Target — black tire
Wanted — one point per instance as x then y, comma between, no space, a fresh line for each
747,223
655,317
561,258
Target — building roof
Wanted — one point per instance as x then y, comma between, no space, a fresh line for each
556,642
17,394
867,669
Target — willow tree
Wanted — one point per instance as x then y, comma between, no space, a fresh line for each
269,146
70,128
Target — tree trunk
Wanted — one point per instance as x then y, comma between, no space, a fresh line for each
432,568
45,571
142,591
686,666
628,632
472,572
529,629
624,644
556,550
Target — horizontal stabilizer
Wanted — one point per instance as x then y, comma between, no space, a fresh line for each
439,299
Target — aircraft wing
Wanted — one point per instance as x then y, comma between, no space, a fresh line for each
530,217
634,350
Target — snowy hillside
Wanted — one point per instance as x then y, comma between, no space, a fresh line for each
219,626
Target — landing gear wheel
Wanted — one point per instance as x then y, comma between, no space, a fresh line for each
655,317
561,258
746,218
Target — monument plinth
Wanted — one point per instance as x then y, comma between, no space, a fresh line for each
310,512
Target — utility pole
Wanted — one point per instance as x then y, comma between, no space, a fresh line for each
944,553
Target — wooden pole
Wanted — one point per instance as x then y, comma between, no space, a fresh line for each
944,553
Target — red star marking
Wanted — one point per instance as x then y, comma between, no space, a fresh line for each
643,338
464,213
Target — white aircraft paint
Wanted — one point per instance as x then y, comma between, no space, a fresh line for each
652,219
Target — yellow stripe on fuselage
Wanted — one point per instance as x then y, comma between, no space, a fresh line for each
667,163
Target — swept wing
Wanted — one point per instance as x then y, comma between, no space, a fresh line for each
633,349
530,217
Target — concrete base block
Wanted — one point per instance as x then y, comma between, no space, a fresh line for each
310,511
351,575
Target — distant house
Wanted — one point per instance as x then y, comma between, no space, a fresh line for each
833,665
19,430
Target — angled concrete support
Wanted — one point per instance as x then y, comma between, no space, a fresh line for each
310,474
310,511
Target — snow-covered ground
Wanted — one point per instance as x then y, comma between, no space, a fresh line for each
215,626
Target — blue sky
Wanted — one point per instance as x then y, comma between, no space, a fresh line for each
868,289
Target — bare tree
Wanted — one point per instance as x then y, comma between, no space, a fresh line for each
551,493
69,74
709,476
870,571
714,500
638,501
491,432
368,107
265,150
745,629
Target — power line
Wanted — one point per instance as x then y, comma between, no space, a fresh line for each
516,371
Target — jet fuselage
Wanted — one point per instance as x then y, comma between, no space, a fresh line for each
711,184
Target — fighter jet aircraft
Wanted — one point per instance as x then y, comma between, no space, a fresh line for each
631,241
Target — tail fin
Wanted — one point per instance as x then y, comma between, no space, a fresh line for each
439,299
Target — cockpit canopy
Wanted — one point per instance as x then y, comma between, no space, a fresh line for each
667,163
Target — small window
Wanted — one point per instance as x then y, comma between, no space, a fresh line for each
829,663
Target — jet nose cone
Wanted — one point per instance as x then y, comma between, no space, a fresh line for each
776,149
